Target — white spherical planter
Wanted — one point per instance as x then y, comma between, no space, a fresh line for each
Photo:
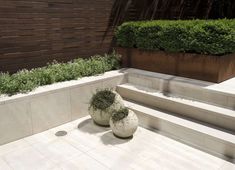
125,127
102,117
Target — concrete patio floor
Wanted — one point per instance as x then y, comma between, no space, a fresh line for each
88,146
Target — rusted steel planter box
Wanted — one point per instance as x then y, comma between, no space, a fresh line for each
202,67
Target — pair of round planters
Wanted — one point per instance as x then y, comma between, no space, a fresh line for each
123,128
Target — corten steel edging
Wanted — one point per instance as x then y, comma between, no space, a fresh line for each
196,66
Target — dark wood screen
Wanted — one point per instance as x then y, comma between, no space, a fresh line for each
34,32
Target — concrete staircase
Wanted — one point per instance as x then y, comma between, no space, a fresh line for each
185,109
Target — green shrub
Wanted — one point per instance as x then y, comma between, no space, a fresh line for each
7,84
198,36
127,34
103,99
26,80
120,114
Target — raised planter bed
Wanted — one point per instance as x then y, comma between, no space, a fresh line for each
49,106
197,66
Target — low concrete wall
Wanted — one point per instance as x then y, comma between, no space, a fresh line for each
49,106
219,94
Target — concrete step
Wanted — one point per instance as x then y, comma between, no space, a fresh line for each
206,92
214,141
203,112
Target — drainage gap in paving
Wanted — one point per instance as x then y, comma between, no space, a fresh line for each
61,133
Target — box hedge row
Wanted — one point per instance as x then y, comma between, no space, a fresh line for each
216,37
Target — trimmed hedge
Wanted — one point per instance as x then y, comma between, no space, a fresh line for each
27,80
215,37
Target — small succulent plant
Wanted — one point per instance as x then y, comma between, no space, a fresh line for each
102,99
120,114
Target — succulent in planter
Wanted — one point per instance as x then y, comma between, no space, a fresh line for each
124,123
103,104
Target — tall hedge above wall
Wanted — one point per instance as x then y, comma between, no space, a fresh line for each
215,37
